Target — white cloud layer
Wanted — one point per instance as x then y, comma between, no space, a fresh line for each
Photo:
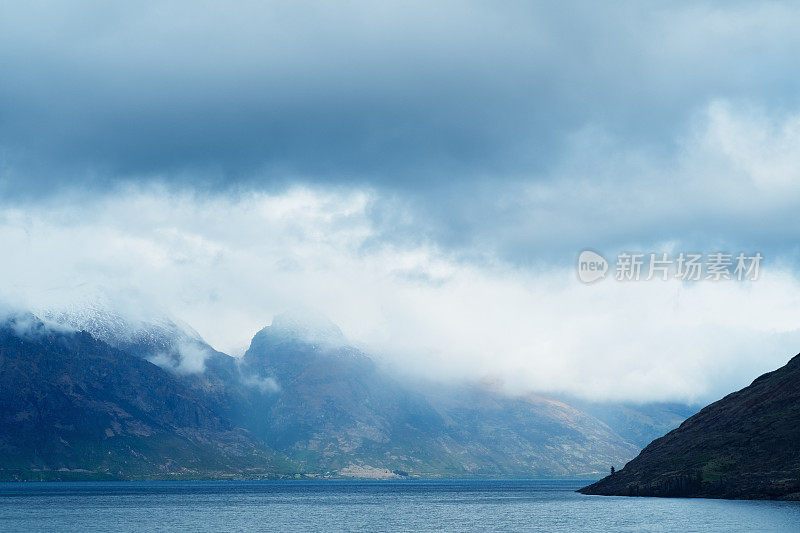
226,264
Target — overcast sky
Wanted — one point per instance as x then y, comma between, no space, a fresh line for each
426,174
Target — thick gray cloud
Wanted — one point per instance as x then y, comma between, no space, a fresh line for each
454,109
394,94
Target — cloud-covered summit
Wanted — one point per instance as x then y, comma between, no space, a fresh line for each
307,326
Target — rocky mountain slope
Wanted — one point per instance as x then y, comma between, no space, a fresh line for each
638,424
72,407
746,445
529,435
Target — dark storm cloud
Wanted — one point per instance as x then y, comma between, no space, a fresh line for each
400,92
451,107
260,92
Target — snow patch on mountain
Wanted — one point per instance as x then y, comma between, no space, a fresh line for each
132,325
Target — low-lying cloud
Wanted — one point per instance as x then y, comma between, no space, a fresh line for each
227,263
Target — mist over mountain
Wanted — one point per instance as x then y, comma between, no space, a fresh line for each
302,325
638,424
159,339
300,401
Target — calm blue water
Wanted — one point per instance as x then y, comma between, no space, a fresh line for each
369,506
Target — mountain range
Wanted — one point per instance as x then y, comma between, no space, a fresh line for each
94,394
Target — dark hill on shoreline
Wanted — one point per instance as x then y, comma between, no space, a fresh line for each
745,446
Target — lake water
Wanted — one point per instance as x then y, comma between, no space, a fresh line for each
531,505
